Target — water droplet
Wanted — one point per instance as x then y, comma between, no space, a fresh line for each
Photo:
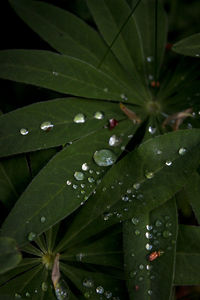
114,141
135,221
168,224
148,267
88,283
99,115
158,223
133,254
167,234
27,294
125,198
136,186
46,126
68,182
149,227
148,246
87,295
158,152
133,274
105,90
85,167
197,55
168,163
108,294
24,131
141,267
104,158
100,290
55,73
149,58
129,191
148,235
44,286
75,186
91,179
124,97
137,232
152,277
150,292
140,278
18,296
31,236
182,151
78,175
152,130
149,175
42,219
80,256
79,118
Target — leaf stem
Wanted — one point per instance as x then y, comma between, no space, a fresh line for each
117,35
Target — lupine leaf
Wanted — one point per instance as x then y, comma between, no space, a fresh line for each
9,254
63,74
60,113
188,46
118,195
55,193
143,235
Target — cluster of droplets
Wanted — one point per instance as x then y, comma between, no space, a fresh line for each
90,289
44,287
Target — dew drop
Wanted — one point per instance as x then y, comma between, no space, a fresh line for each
149,175
124,97
168,163
78,175
42,219
133,274
152,130
158,152
141,267
150,292
125,198
135,221
80,256
55,73
129,191
149,58
148,246
167,234
46,126
18,296
114,141
105,90
136,186
99,115
140,278
24,131
148,267
88,283
75,186
44,286
108,294
148,235
182,151
27,294
79,118
100,290
158,223
137,232
85,167
104,158
168,224
31,236
87,295
149,227
68,182
91,179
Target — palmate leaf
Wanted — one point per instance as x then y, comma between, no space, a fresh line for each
153,231
63,74
9,254
142,181
69,35
60,113
55,193
188,46
188,256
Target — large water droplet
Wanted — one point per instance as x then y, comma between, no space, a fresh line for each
31,236
168,163
85,167
44,286
24,131
182,151
79,175
88,283
104,158
46,126
99,115
79,118
100,290
148,235
135,221
149,175
149,227
114,141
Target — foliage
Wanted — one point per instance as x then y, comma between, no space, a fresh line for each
95,183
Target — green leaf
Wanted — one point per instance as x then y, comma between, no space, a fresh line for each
63,74
68,34
60,113
188,46
192,194
14,177
55,193
188,256
143,235
9,254
145,18
110,16
142,181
